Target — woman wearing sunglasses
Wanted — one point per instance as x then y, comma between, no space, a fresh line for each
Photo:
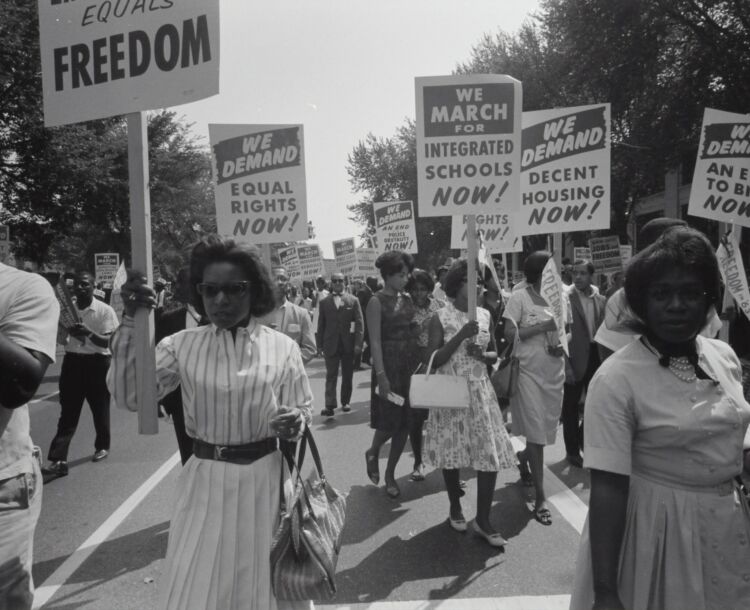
244,388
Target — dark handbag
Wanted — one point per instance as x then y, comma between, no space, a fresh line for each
305,546
504,378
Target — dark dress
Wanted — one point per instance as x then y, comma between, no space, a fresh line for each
398,339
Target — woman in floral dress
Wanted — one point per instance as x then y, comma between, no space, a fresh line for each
471,437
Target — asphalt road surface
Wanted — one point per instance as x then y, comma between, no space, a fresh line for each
102,534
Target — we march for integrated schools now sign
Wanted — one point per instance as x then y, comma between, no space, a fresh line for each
468,144
102,58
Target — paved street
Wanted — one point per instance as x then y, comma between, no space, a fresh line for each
103,531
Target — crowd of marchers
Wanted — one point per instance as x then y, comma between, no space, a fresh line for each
651,403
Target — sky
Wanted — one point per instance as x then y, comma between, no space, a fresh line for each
343,69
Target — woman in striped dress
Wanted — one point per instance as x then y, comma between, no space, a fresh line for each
243,387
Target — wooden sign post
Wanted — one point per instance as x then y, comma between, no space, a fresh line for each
471,264
140,239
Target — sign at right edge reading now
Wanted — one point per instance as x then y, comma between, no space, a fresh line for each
721,181
468,144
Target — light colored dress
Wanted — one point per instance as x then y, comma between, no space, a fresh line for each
537,403
225,514
686,543
474,437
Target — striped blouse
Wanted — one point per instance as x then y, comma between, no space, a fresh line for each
230,388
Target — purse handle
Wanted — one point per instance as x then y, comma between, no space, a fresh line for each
296,465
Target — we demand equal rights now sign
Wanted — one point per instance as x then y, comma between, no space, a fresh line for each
259,173
103,58
721,181
468,144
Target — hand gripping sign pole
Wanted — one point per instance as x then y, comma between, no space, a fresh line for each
140,221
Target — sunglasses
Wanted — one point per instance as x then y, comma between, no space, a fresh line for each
337,281
230,289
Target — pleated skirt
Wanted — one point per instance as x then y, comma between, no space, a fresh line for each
220,538
681,550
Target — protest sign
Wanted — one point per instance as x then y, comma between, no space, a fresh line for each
395,226
468,144
4,243
115,297
259,178
345,255
581,253
366,258
552,292
69,316
495,230
329,267
290,262
310,261
721,180
102,59
605,254
565,170
105,267
733,273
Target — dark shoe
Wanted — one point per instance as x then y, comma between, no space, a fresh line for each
575,460
392,490
371,462
543,515
524,470
58,468
346,409
100,455
418,474
327,412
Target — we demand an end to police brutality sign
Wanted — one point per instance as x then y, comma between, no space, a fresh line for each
102,58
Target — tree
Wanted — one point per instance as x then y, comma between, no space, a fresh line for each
385,169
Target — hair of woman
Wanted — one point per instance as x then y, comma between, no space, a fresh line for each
455,276
214,249
420,276
534,265
392,261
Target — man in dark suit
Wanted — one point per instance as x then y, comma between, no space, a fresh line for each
340,333
168,323
363,293
587,308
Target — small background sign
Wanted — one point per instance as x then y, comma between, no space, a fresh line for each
605,254
105,267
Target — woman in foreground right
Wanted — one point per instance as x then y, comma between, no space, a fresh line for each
664,428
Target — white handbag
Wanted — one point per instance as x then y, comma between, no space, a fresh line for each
428,391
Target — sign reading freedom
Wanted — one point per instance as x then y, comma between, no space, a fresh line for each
103,58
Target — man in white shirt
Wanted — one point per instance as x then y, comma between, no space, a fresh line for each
28,323
292,320
83,375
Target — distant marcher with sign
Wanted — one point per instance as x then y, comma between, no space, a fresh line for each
245,389
83,375
28,320
290,319
340,334
587,311
395,356
537,402
473,436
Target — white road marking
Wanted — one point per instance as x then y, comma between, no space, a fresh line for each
571,507
58,578
48,396
521,602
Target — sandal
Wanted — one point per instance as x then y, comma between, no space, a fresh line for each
418,474
524,471
543,515
392,490
371,463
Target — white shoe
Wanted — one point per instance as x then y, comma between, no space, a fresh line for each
458,525
495,540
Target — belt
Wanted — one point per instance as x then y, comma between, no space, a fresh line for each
235,454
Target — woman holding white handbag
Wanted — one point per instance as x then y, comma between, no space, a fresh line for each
473,436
